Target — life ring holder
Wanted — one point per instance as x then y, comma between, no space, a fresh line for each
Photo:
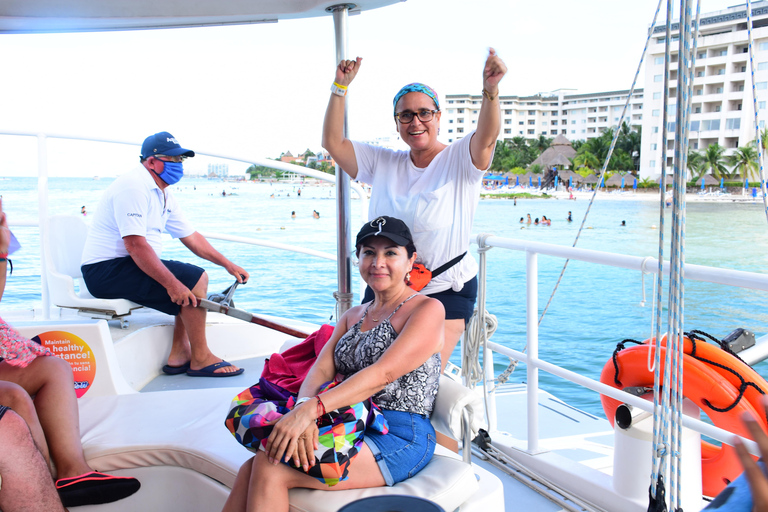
719,383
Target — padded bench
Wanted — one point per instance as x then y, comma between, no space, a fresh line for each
185,429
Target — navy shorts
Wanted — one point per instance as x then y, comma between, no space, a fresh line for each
121,278
406,449
457,305
3,408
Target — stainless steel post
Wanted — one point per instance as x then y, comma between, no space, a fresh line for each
42,201
343,206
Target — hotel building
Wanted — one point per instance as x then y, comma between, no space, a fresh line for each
561,112
722,105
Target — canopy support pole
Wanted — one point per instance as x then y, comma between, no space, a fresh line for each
343,206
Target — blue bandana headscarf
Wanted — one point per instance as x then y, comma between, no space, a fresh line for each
416,88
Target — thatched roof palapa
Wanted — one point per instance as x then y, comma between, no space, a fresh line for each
558,153
708,180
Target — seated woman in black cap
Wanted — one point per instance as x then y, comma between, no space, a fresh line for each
387,349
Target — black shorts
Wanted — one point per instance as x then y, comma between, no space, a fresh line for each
121,278
3,408
457,305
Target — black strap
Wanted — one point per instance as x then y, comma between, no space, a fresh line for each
445,266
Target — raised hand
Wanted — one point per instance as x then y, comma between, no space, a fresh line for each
493,72
347,70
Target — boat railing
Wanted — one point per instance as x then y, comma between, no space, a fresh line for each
531,358
42,177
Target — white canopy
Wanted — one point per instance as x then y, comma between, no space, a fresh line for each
29,16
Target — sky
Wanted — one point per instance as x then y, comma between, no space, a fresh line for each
255,91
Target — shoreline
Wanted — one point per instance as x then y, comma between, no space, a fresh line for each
615,195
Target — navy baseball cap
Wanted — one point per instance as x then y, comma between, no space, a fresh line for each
388,227
163,143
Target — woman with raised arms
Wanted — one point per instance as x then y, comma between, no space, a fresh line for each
434,188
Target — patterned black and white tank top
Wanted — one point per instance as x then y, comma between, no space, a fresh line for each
413,392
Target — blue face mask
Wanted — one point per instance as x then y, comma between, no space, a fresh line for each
172,172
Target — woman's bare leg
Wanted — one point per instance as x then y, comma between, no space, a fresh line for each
49,380
14,396
269,484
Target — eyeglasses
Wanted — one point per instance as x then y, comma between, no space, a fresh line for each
424,116
166,158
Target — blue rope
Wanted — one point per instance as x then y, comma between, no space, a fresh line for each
659,434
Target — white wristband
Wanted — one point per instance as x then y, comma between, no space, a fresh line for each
338,89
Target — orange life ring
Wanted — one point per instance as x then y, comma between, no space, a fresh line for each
710,387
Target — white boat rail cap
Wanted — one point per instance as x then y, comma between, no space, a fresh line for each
42,16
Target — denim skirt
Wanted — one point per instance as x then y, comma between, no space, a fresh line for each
406,449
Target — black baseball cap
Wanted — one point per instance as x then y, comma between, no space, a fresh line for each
388,227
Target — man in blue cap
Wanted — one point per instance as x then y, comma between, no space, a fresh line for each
121,258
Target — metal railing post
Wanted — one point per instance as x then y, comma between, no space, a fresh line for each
532,327
42,215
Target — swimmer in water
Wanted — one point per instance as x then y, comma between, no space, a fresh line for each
293,214
570,218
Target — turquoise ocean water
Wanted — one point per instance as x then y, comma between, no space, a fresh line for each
595,307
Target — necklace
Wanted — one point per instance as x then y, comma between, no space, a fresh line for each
380,312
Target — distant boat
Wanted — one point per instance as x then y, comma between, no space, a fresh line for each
96,178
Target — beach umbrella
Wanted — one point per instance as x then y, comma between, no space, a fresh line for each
746,184
517,181
622,182
635,184
570,182
702,184
722,180
539,181
530,181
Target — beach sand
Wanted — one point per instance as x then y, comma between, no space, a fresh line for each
711,195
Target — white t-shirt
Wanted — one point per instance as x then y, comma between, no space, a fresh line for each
133,205
437,203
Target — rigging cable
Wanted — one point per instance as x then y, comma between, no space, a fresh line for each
658,442
607,158
758,134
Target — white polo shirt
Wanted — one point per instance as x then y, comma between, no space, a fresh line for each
133,205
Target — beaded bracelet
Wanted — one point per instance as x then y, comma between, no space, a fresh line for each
488,95
320,407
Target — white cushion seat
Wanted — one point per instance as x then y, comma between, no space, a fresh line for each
185,428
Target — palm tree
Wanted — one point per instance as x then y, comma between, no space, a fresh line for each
713,161
744,161
585,159
541,144
621,161
695,161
